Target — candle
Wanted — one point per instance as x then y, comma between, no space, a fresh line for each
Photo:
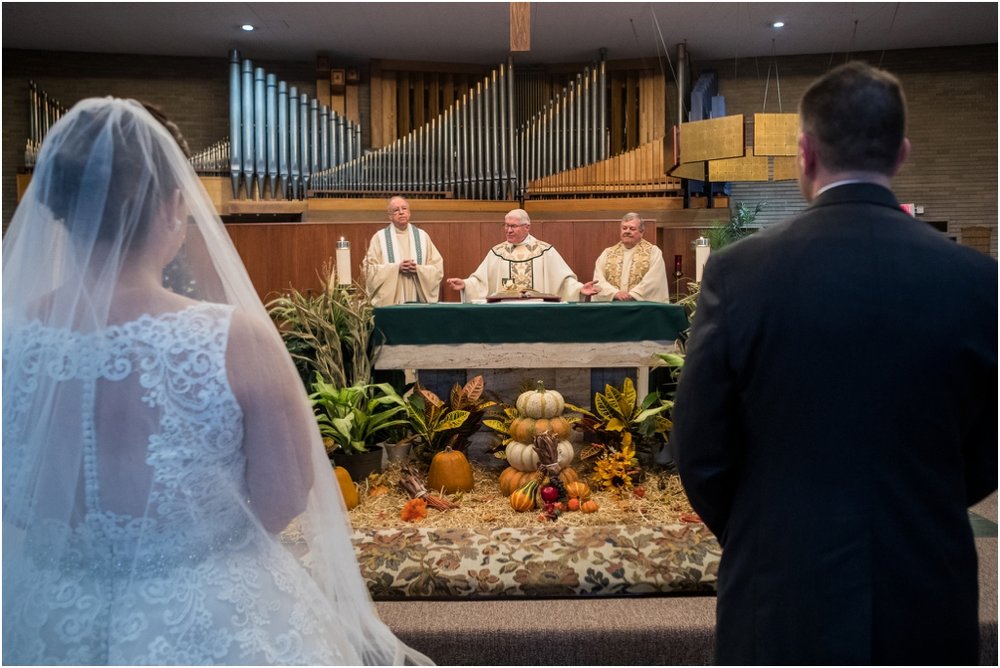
702,249
343,262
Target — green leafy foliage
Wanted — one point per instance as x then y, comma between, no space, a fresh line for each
737,228
620,420
353,418
329,331
440,425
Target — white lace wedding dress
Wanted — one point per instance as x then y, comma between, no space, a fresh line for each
163,561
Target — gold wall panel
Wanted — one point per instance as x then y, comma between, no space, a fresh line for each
689,170
747,168
786,169
775,134
711,139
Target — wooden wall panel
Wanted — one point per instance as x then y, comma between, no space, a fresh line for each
403,119
388,117
376,104
279,255
352,103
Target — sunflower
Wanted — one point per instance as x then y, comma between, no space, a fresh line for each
614,470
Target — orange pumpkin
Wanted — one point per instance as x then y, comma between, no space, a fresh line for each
568,475
511,479
450,472
347,488
589,506
578,489
524,429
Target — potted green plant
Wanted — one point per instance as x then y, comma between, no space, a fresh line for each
354,420
440,425
620,422
720,236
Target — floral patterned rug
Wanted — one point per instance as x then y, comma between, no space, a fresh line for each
613,560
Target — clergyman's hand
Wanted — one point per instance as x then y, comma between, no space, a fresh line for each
456,283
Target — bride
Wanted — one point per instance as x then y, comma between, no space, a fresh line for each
166,496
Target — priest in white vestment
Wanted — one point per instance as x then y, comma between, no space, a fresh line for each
633,269
402,264
522,262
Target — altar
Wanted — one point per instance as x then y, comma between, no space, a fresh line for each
527,335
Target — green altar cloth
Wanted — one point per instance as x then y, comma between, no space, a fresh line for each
513,322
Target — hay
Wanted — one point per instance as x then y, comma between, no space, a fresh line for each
382,499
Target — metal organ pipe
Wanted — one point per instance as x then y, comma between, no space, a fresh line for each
304,166
472,149
284,169
324,138
313,137
259,123
276,134
235,121
246,127
271,128
294,138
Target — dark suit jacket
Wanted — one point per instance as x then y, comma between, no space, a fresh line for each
836,415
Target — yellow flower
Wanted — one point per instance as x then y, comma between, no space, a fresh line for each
612,472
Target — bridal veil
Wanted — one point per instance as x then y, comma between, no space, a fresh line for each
166,495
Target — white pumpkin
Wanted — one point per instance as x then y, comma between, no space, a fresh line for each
522,456
540,403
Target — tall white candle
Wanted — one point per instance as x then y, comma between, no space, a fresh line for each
343,262
702,249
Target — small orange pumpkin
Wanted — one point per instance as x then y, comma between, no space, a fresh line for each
589,506
450,472
347,488
524,429
578,489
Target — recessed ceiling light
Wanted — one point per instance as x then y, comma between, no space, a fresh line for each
247,27
778,24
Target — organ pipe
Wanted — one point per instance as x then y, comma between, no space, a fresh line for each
278,136
281,138
271,131
235,121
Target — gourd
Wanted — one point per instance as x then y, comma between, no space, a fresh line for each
588,506
523,498
523,457
450,472
524,429
347,488
540,403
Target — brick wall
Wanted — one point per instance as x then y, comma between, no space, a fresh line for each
952,95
